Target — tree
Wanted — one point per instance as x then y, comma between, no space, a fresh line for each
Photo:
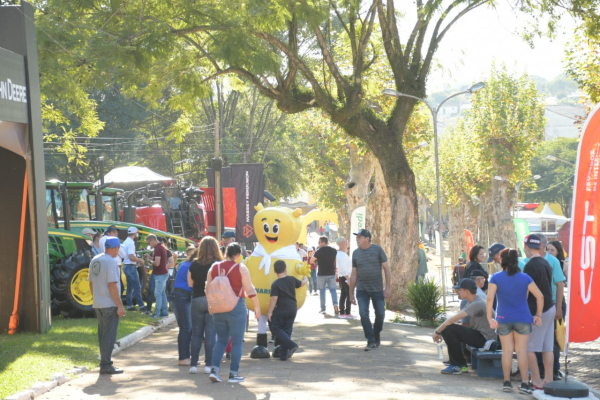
582,63
556,182
497,137
290,51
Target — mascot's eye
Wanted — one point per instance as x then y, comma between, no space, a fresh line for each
266,228
275,228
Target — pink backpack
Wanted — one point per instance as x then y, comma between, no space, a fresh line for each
219,294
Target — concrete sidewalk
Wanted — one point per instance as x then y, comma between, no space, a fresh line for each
330,363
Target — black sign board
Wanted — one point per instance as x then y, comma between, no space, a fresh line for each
13,88
248,181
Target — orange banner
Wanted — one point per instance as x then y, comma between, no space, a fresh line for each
583,324
470,242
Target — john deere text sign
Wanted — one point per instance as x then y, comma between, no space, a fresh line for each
13,89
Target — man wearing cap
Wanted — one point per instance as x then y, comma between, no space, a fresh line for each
104,277
112,231
476,335
88,232
480,280
227,238
367,262
494,252
542,337
130,270
161,275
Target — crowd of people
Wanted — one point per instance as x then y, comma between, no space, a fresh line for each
519,305
210,265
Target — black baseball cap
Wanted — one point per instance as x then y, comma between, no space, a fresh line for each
111,228
533,241
466,283
478,273
363,232
493,250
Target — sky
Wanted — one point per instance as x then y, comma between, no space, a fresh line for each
486,35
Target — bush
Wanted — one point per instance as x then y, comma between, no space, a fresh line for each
424,297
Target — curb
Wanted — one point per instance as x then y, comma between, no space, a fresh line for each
39,388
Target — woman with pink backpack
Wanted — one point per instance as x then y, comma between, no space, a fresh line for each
227,285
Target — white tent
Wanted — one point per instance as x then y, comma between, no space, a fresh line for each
542,222
123,177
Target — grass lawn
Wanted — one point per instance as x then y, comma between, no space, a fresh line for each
29,357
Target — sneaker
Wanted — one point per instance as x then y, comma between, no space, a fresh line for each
193,370
525,388
452,370
350,316
155,316
336,310
235,378
110,370
143,309
371,346
145,312
377,339
207,370
214,376
292,351
131,309
465,369
342,316
507,387
322,312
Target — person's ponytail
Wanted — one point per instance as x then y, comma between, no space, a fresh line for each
510,261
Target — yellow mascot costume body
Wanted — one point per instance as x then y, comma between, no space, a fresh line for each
277,230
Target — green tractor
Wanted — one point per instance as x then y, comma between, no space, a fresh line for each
70,208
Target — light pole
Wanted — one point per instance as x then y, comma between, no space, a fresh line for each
434,114
554,158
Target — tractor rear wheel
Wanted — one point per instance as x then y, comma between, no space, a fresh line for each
71,294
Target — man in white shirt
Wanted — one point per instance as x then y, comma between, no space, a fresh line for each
344,266
131,273
479,278
112,231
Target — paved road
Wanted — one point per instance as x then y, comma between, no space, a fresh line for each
330,363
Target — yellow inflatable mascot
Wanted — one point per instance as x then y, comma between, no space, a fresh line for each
277,230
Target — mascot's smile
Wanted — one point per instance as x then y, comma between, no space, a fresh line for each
271,239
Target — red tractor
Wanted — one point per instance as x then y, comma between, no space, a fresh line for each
187,212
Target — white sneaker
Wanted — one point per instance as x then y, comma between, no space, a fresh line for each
193,370
207,370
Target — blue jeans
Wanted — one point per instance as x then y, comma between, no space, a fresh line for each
327,281
182,300
363,298
133,285
203,326
312,281
150,293
232,323
160,294
108,324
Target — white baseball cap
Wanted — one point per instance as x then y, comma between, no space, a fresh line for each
132,229
88,231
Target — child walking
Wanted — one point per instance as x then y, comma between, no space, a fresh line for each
283,307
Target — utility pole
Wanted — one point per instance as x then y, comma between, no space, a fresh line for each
217,165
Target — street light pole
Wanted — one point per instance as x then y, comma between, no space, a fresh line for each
434,113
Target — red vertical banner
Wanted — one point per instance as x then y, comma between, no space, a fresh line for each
470,242
583,323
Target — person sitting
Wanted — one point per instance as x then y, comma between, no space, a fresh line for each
480,280
454,334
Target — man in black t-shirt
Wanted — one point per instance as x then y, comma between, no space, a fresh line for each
325,257
541,338
283,307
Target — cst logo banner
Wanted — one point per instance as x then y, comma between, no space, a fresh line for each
583,324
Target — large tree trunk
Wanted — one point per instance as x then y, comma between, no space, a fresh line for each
343,223
357,184
463,216
502,229
379,213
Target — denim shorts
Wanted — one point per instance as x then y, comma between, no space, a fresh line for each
522,328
